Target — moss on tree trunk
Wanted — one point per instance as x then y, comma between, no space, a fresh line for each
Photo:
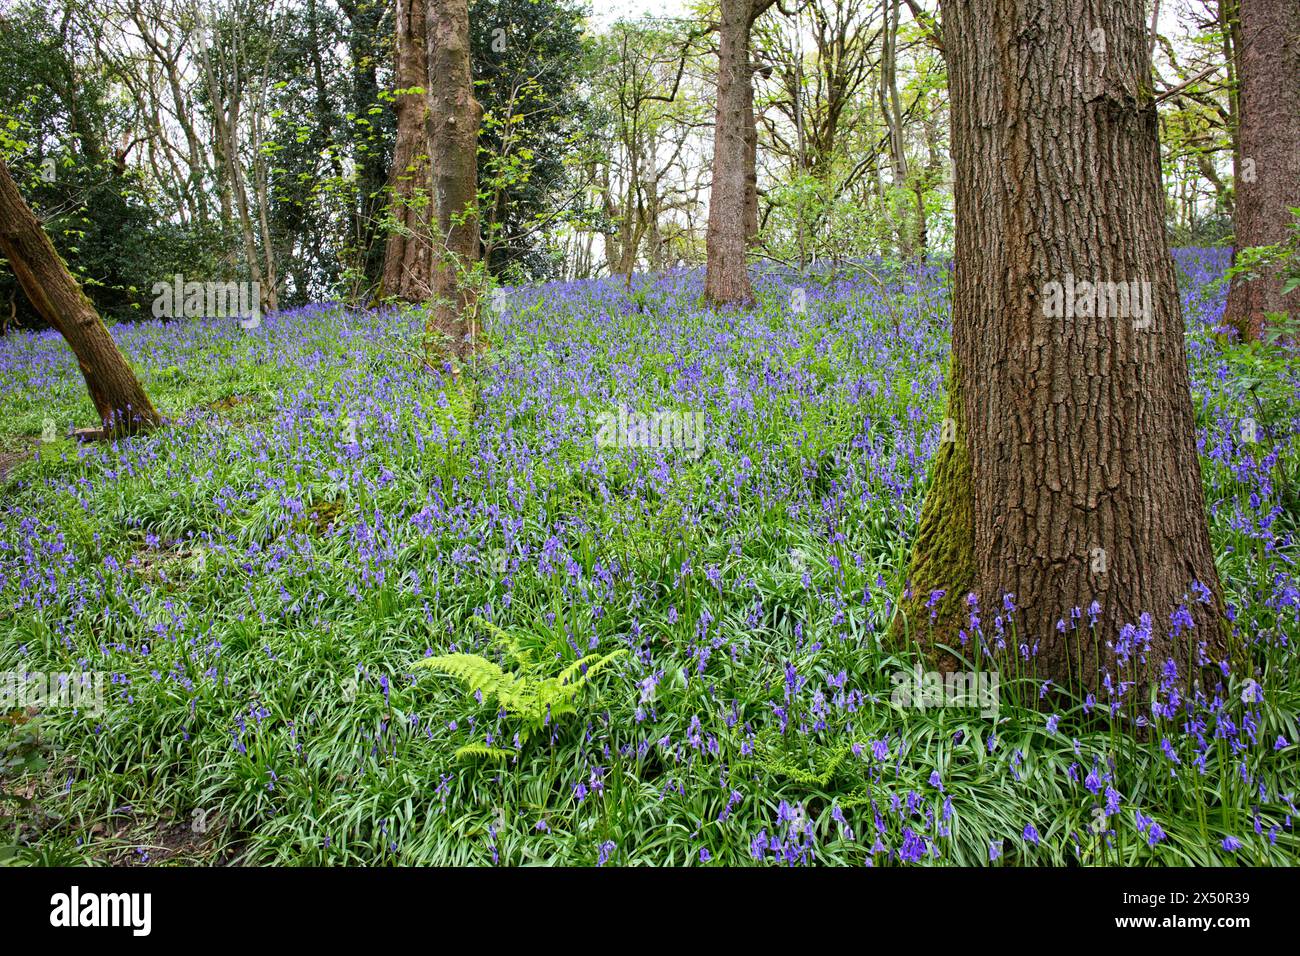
943,551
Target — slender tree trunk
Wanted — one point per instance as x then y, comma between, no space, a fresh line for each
631,232
245,217
629,238
1069,472
119,398
893,113
654,203
612,228
1268,183
726,279
408,254
751,164
222,70
1230,25
271,294
453,126
261,192
922,224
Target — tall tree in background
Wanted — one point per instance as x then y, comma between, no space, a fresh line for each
1268,175
726,279
453,125
234,49
1069,472
119,398
532,63
892,111
645,156
818,89
368,29
408,255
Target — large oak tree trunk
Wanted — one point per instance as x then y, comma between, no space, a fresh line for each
119,398
1070,473
1268,174
731,221
453,126
408,254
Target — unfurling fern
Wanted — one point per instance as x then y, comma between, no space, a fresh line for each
826,763
527,693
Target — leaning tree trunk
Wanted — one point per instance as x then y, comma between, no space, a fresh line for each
408,254
453,125
1070,471
119,398
726,279
1268,177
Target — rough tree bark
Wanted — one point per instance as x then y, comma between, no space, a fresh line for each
453,126
726,279
1070,472
119,398
408,253
1268,175
751,165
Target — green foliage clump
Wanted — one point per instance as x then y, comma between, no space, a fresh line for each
527,693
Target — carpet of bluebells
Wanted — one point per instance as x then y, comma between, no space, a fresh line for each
258,580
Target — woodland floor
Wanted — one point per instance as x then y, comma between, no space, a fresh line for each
260,578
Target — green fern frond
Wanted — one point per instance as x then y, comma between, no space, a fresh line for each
513,648
525,694
470,751
478,672
819,776
594,663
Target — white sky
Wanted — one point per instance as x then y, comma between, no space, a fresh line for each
605,12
